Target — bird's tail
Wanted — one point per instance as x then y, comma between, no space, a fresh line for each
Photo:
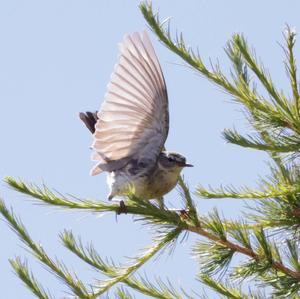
89,119
103,164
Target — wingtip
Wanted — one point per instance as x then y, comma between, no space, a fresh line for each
145,33
95,170
141,34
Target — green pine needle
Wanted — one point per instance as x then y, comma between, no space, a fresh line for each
121,273
58,268
21,269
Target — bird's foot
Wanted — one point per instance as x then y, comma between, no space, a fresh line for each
184,214
122,208
160,203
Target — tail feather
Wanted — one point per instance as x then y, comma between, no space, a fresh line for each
89,119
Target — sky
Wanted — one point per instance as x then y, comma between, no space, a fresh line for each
56,58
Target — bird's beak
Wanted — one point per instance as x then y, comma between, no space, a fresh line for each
188,165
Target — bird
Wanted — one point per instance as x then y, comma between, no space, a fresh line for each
131,127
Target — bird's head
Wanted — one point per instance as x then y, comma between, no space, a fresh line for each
171,160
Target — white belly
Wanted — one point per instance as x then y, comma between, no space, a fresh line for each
121,184
155,187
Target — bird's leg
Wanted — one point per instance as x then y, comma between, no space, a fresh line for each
182,212
122,208
161,203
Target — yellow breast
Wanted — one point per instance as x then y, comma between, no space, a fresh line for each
154,186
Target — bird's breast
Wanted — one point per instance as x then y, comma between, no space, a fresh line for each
163,181
143,184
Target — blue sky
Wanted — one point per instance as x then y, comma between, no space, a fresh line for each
56,58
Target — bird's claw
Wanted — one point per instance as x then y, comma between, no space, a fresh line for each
184,214
122,208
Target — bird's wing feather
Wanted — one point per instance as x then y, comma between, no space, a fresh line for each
134,118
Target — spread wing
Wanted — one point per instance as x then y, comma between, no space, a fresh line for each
133,121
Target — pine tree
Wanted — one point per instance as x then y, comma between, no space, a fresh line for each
266,240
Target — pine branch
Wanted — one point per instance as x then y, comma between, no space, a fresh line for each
187,198
293,254
276,114
269,122
263,115
122,293
159,216
22,271
188,55
220,288
277,213
290,39
283,286
123,273
284,144
229,291
45,195
213,257
58,268
264,258
277,200
280,190
135,206
260,72
218,234
158,288
117,274
242,93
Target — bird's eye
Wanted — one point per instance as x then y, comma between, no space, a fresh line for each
170,159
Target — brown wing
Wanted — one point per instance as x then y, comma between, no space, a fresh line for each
134,119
